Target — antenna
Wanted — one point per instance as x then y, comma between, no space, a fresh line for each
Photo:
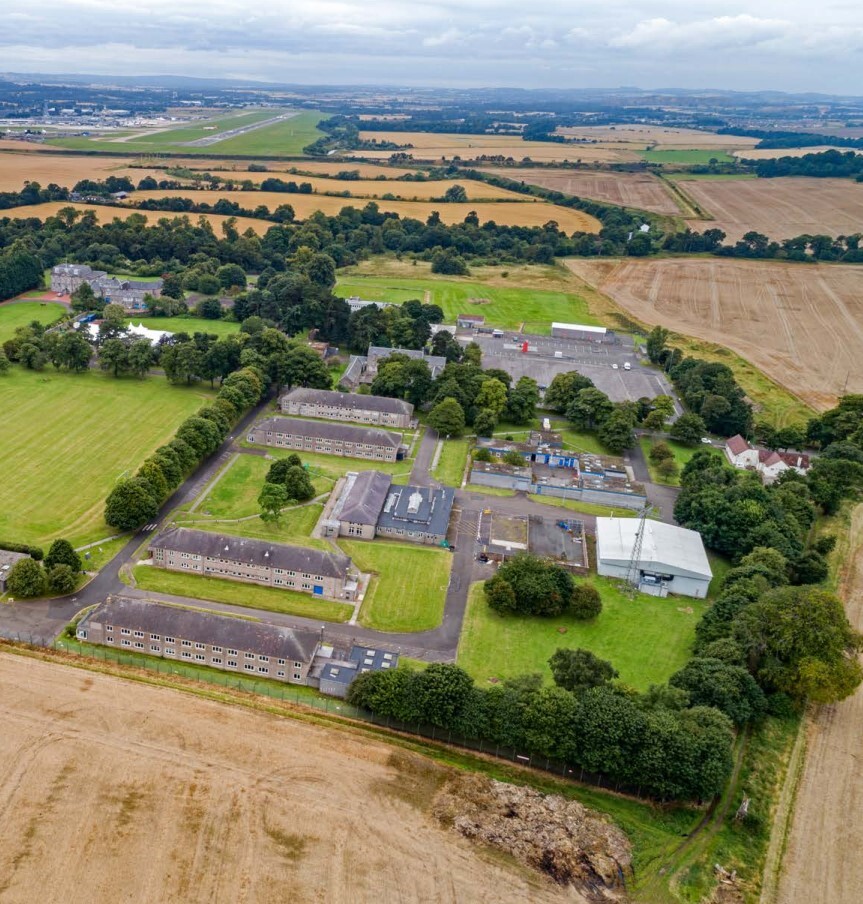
632,572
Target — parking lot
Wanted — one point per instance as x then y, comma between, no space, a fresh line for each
547,357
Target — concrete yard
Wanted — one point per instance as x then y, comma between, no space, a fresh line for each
592,359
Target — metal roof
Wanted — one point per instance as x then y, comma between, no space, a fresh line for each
665,547
582,328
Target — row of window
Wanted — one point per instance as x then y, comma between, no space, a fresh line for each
344,414
187,643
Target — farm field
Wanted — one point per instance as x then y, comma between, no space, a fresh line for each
502,305
800,324
685,156
252,596
151,794
434,146
770,153
646,137
646,639
78,432
20,313
519,212
640,190
779,208
107,214
409,590
61,169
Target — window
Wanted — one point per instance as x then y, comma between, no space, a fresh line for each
298,665
139,645
200,657
155,648
139,634
155,637
186,643
264,669
186,654
250,655
298,676
126,643
281,673
232,652
216,661
263,658
388,655
217,649
169,640
249,667
232,663
200,646
125,631
281,662
109,627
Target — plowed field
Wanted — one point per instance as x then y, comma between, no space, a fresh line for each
115,791
779,208
800,324
639,190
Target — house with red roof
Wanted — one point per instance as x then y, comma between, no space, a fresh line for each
768,463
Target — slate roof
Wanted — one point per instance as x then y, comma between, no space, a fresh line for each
365,498
361,659
259,553
331,430
206,627
425,509
435,362
349,400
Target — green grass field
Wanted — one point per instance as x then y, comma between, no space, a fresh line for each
646,639
409,591
236,593
336,465
682,454
507,307
686,157
450,466
220,328
23,312
284,139
67,438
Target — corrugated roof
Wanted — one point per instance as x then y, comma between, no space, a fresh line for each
349,400
260,553
665,548
331,430
206,627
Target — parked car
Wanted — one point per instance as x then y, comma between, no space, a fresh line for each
707,440
615,367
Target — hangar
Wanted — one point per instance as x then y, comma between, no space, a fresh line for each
672,559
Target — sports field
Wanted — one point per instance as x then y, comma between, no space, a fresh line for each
409,590
510,307
20,313
800,324
68,437
645,638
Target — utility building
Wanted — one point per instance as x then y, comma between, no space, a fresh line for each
671,560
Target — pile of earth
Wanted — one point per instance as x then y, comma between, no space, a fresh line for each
561,838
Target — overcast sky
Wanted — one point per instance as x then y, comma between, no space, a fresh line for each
790,45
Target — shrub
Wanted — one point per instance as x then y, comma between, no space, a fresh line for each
26,579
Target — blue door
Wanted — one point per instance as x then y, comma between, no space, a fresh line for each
318,590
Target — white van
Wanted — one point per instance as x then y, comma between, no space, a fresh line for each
627,365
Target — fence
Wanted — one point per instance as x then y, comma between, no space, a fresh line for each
304,696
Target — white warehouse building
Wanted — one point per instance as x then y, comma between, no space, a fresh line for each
672,559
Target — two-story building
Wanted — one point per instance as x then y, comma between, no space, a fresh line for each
327,438
347,406
766,462
129,294
252,648
314,571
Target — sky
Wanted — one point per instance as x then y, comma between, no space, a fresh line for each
786,45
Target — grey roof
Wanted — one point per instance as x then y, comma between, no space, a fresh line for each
330,430
665,547
425,509
350,400
362,659
364,498
207,627
8,559
433,361
253,552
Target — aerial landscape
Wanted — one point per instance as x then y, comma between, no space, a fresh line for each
431,474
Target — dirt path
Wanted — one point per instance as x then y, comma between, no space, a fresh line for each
112,790
823,862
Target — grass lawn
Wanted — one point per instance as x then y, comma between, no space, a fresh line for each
409,590
682,454
686,157
68,437
335,466
507,306
238,594
220,328
450,466
295,526
21,313
647,639
284,139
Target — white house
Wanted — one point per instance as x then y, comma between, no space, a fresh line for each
672,559
767,463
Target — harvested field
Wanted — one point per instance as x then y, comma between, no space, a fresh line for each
511,213
329,167
106,214
640,190
801,324
822,863
780,208
659,137
64,170
113,790
433,146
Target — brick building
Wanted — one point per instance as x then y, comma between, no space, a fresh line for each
327,438
346,406
299,568
237,645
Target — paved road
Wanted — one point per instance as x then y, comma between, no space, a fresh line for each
659,495
216,137
420,475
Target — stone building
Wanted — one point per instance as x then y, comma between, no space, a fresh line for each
66,278
327,438
347,406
